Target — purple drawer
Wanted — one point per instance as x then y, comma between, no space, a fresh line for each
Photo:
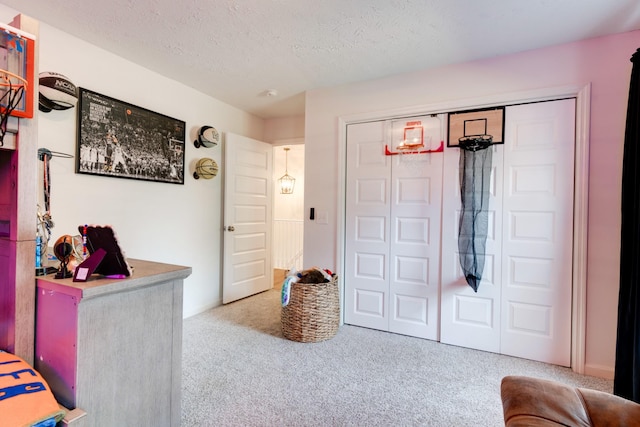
56,340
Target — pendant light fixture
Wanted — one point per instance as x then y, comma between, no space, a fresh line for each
287,182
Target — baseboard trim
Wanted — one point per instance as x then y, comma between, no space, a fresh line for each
599,371
201,309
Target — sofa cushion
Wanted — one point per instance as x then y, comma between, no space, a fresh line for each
530,401
609,410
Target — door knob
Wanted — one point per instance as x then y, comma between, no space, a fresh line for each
231,228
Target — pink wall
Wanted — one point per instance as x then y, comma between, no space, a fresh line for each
602,62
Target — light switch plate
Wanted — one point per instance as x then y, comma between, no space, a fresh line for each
322,217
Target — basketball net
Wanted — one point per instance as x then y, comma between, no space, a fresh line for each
12,89
412,160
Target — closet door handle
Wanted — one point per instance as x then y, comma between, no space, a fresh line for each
231,228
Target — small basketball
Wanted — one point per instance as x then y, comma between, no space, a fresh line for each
57,92
208,136
206,168
63,247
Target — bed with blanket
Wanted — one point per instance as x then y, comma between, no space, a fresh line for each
25,397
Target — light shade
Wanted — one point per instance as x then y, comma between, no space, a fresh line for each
287,182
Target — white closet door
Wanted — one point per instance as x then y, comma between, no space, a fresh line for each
394,227
538,231
393,219
367,245
523,304
416,200
470,319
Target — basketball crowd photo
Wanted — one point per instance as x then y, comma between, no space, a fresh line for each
122,140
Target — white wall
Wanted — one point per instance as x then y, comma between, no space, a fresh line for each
602,62
176,224
282,128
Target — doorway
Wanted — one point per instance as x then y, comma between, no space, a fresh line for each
288,211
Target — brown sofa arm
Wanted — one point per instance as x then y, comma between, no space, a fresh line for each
530,401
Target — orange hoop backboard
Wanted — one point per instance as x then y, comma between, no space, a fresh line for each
17,56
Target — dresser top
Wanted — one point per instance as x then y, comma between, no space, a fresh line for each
145,273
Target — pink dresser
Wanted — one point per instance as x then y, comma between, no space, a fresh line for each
113,347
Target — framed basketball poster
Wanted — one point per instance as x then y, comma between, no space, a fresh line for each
121,140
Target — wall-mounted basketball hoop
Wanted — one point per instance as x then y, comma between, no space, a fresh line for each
12,91
413,140
476,124
388,152
16,75
19,48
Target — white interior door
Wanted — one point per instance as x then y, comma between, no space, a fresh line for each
247,217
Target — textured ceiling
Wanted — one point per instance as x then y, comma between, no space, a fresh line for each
237,50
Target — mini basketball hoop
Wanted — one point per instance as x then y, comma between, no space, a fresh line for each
12,89
413,161
413,141
414,157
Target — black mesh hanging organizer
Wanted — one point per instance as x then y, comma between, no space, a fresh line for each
475,174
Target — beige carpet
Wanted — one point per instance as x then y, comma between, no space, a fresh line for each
238,370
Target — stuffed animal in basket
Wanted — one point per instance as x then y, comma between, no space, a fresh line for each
313,275
309,276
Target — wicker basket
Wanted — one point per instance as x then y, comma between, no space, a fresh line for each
313,312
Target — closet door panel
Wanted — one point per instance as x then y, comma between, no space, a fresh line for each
538,231
523,305
416,200
471,319
366,280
